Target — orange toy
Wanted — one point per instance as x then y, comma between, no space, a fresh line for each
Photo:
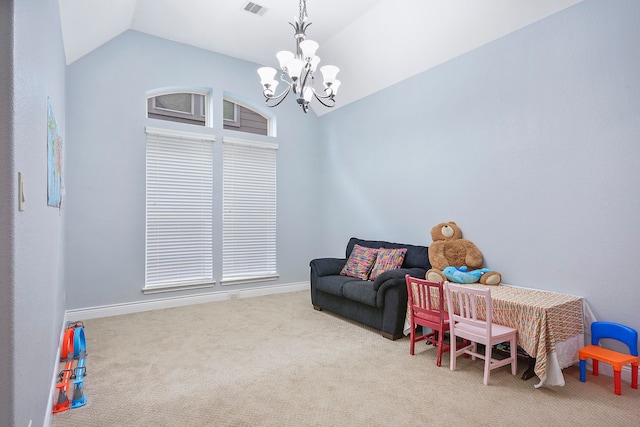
66,355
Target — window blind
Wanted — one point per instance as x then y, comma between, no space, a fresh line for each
249,211
182,102
179,209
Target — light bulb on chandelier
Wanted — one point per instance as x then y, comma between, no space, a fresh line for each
298,71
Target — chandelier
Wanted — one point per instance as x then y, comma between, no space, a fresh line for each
298,71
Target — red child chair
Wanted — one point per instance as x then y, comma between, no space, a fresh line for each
617,360
425,312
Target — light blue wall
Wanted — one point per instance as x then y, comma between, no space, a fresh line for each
530,143
105,211
31,291
7,212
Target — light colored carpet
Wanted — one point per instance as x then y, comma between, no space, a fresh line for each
274,361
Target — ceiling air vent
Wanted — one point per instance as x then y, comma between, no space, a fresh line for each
256,9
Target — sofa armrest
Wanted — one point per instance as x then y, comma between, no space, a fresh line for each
327,266
391,289
396,277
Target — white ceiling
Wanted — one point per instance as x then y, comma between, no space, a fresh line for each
397,38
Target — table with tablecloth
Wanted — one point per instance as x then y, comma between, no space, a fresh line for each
550,326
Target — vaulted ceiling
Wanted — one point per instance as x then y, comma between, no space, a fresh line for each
376,43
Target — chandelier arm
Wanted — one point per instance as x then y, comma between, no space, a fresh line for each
331,95
320,99
282,94
279,98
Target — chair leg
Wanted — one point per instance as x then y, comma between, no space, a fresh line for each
634,375
616,382
453,353
514,357
583,370
440,348
412,337
594,362
487,363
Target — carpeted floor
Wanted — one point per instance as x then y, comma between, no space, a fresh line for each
274,361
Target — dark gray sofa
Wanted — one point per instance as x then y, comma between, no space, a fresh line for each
380,304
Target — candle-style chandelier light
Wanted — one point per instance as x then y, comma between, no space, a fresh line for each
298,70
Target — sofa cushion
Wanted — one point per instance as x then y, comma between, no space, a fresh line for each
360,262
334,284
361,291
387,259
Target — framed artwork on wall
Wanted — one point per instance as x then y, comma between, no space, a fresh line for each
54,160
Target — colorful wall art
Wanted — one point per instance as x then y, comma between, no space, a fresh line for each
54,160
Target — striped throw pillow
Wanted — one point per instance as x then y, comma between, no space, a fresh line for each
387,259
360,262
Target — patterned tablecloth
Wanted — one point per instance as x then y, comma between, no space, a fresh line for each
544,320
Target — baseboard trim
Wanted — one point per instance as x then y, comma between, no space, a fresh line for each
160,303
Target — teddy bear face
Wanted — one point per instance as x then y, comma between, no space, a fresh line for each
446,231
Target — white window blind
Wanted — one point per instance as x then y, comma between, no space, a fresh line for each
179,209
249,211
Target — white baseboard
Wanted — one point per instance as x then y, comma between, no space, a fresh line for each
160,303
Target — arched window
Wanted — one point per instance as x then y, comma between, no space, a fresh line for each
181,185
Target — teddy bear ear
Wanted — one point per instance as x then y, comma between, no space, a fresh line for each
452,222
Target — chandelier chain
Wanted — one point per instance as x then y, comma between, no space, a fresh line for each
303,10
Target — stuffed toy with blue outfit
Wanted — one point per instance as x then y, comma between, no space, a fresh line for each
462,275
462,257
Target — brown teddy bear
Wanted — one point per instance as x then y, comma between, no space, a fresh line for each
449,249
